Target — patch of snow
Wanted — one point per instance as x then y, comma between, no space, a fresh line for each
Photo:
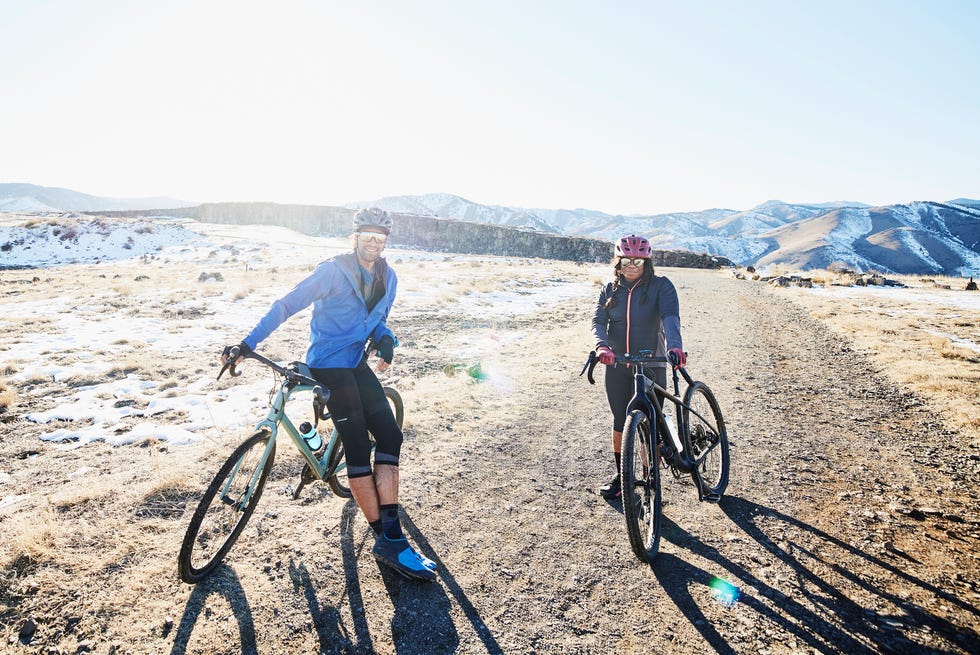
8,502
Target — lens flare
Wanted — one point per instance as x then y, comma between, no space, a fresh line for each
724,592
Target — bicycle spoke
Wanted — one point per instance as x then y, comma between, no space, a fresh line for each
641,488
225,508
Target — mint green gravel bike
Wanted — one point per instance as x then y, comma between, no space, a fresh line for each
233,495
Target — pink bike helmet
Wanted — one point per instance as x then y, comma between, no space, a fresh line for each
632,246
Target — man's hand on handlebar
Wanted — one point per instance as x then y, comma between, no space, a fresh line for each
243,352
677,357
606,355
385,350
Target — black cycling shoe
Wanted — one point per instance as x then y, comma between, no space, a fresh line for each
612,489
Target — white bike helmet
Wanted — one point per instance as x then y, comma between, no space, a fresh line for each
372,217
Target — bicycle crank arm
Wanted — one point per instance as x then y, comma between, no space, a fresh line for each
304,477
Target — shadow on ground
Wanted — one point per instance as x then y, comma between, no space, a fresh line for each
223,582
422,621
829,574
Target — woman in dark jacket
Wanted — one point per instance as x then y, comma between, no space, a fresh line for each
637,311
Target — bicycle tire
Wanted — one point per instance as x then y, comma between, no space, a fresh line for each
707,436
218,520
642,495
397,405
338,481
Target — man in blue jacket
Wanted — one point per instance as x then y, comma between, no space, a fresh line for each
351,296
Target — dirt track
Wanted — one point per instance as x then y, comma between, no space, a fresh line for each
842,531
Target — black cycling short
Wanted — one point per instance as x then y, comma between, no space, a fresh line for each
619,389
357,405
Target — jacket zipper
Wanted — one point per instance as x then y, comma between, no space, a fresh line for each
629,299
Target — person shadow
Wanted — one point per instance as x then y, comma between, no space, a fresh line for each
422,621
830,620
222,582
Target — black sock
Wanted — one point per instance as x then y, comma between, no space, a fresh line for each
619,458
376,526
390,525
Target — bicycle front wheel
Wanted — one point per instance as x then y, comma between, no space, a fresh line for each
706,440
640,476
225,508
338,481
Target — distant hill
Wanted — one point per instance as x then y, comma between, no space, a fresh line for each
921,237
445,205
940,238
16,197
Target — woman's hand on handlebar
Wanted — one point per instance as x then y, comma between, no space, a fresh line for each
677,357
605,355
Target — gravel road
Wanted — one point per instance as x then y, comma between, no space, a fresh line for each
850,524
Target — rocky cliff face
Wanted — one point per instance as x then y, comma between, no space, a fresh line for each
688,259
431,233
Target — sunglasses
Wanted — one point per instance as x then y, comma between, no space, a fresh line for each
631,261
372,237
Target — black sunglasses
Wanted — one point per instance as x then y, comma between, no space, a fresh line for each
631,261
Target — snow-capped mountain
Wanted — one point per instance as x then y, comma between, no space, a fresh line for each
919,237
445,205
32,198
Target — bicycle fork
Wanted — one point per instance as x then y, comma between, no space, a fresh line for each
241,503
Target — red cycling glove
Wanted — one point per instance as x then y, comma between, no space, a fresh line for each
678,356
606,356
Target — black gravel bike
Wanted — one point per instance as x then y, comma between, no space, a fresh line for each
232,496
697,446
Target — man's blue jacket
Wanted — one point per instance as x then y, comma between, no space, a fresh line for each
342,321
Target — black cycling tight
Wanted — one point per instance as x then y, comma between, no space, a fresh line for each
357,404
619,390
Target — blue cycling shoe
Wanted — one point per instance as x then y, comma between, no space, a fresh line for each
399,555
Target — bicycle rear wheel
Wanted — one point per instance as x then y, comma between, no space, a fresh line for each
338,481
642,497
225,508
706,440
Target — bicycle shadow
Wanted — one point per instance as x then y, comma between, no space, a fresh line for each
614,503
835,622
422,622
223,582
331,631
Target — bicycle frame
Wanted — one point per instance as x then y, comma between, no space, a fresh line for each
645,399
646,391
277,417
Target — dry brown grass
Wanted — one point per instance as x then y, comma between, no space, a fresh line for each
8,396
911,339
32,540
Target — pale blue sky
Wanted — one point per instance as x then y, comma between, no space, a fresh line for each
631,107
